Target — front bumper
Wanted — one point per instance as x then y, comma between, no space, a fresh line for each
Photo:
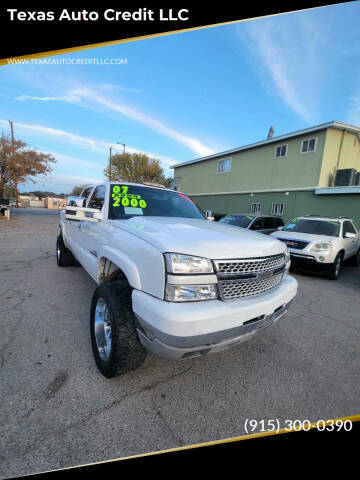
179,331
313,262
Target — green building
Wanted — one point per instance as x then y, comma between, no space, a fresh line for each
289,175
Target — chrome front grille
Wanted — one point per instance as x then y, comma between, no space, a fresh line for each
248,277
248,265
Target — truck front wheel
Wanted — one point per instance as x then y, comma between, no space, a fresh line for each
115,342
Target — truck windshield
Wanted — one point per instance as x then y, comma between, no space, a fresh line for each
127,201
237,220
316,227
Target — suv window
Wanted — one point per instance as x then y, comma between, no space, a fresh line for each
270,222
258,224
316,227
97,198
278,222
348,227
237,220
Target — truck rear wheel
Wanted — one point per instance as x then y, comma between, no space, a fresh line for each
64,257
115,342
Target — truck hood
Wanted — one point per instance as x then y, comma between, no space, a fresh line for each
306,237
201,238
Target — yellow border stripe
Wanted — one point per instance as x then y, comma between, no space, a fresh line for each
353,419
64,51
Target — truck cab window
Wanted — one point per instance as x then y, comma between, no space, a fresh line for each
97,199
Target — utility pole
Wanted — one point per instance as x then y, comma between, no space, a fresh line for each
110,166
13,160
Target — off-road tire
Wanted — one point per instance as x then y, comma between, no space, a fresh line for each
126,352
64,257
336,267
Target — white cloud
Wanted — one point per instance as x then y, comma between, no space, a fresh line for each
58,183
71,180
99,146
64,98
91,97
288,49
192,143
354,109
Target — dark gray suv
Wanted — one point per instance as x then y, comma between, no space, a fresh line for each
260,223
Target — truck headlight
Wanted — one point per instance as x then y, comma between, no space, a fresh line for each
190,293
321,246
178,263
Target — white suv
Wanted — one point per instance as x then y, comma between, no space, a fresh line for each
321,243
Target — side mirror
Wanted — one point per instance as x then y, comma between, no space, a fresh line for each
73,201
279,228
209,215
350,235
83,213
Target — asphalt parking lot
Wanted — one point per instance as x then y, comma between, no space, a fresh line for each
56,410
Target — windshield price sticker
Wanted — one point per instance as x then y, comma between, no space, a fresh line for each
122,198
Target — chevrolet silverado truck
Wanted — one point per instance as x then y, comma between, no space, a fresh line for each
168,280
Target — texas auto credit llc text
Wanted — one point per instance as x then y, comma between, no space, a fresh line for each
110,15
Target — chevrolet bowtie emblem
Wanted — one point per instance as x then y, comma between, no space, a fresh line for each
265,275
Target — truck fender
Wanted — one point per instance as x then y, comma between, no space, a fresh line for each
123,262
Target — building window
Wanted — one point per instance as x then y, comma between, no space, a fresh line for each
277,209
224,165
281,151
256,208
175,183
308,145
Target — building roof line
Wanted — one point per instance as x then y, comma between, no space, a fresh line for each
297,133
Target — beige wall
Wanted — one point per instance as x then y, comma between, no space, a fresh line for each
55,203
342,150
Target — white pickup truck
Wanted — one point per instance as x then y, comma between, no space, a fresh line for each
169,281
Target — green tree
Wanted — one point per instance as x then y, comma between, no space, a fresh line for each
135,167
76,190
18,164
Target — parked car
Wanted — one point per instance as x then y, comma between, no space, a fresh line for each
321,244
261,223
169,281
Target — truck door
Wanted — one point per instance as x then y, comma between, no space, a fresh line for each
73,225
87,235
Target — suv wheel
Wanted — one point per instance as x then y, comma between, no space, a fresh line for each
115,342
356,259
336,268
64,257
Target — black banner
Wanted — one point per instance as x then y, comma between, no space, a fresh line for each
33,29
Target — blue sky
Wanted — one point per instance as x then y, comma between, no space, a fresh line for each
187,95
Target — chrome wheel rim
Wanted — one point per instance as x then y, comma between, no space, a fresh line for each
58,253
102,328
